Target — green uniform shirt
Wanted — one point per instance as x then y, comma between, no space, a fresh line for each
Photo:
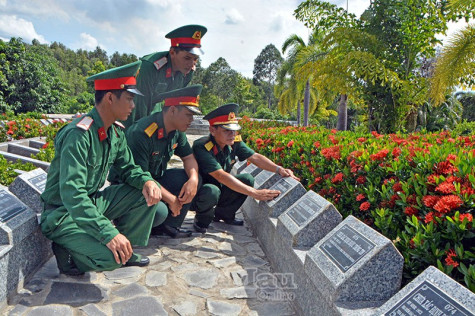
211,158
152,147
155,77
79,170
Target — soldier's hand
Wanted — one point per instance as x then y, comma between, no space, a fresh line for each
175,207
287,173
121,248
265,194
152,193
188,191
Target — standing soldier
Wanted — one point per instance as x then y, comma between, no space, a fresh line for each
77,215
153,140
216,154
168,70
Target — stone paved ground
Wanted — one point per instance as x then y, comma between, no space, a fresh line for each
223,272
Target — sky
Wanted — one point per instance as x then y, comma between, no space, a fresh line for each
238,30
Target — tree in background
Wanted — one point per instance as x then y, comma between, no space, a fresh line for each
29,79
265,70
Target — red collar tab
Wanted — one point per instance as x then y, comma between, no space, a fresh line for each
215,150
223,119
194,41
168,74
114,84
160,133
182,101
102,133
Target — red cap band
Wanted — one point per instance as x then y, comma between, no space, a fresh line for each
181,101
185,40
223,119
114,84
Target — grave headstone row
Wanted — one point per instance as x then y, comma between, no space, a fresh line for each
341,267
22,150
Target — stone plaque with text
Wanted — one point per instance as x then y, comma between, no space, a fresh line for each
10,206
302,211
283,185
427,300
346,247
39,181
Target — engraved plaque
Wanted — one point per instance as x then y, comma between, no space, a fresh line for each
10,206
346,247
304,209
427,300
261,177
283,186
39,182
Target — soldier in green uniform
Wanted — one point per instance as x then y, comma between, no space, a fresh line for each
216,154
153,140
168,70
77,214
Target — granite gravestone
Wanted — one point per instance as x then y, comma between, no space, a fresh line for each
28,188
291,190
354,263
238,167
431,293
307,221
265,179
252,169
23,248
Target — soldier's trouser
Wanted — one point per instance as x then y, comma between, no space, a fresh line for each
173,180
133,218
230,201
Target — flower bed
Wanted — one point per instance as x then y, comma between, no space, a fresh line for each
418,190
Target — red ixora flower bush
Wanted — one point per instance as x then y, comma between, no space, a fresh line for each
416,189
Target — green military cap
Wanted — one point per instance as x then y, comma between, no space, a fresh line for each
188,97
119,78
224,116
188,37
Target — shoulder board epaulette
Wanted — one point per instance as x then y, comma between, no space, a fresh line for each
209,145
159,63
119,124
151,129
85,123
238,138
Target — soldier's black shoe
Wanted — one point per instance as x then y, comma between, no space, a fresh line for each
64,261
173,232
137,260
235,222
198,228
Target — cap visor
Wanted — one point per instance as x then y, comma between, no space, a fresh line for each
195,50
231,127
134,91
193,109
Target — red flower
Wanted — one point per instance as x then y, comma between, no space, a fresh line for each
331,153
361,180
360,197
397,187
445,187
259,142
429,217
338,178
380,155
448,203
450,258
365,206
290,144
409,211
467,216
45,145
361,139
430,200
445,167
396,151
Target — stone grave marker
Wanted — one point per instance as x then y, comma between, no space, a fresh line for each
265,179
44,122
354,263
431,293
252,169
291,190
28,188
238,167
23,248
307,221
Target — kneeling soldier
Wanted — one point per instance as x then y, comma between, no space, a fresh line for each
215,155
77,215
